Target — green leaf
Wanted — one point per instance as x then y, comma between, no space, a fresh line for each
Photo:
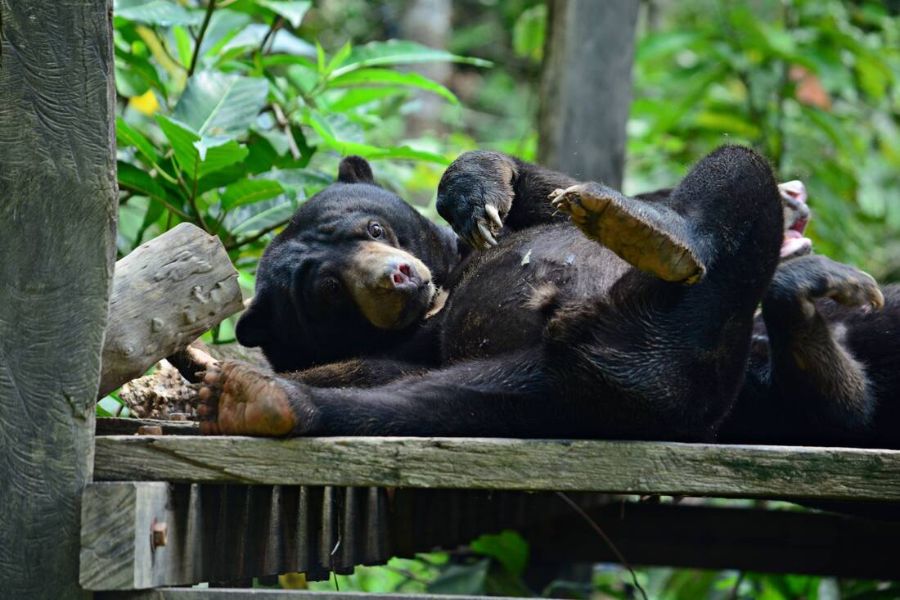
156,12
466,580
140,182
321,126
529,32
400,52
214,103
507,547
249,191
265,219
381,77
126,135
217,153
135,74
293,12
183,44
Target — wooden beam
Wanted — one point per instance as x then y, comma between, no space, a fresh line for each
510,464
57,243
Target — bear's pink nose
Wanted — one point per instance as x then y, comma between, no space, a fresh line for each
403,274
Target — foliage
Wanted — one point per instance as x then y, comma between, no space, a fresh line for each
814,85
230,119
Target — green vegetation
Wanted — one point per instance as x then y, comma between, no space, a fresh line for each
233,112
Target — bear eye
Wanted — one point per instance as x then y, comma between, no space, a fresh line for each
376,230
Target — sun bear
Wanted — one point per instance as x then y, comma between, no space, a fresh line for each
567,310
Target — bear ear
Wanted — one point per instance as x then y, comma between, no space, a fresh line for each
355,169
252,327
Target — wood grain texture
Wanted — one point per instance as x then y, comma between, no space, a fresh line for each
482,463
586,88
116,526
57,224
165,294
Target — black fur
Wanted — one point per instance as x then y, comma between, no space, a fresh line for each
547,334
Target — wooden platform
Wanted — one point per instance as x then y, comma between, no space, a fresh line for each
237,508
508,464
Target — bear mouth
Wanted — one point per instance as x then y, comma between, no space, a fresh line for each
796,218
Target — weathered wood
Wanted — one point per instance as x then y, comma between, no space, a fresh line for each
57,234
235,533
232,533
616,467
110,560
165,294
121,426
586,88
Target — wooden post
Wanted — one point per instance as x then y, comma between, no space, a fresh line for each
57,232
586,88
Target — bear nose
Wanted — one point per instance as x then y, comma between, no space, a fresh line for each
403,275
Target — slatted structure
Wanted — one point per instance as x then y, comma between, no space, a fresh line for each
237,508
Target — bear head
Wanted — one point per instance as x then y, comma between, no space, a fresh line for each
353,274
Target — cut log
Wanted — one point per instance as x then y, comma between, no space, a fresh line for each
165,294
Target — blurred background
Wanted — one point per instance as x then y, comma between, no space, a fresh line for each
233,112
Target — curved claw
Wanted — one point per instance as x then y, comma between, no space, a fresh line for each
486,235
493,216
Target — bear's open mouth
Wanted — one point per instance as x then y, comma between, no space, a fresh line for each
796,218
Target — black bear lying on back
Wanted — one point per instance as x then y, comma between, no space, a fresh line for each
545,332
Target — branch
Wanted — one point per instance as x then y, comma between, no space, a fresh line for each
209,11
238,243
276,25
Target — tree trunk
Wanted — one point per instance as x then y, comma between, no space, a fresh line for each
428,22
57,243
586,88
165,294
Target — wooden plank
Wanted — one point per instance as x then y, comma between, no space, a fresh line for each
616,467
57,239
129,426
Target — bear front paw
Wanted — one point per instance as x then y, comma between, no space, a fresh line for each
475,195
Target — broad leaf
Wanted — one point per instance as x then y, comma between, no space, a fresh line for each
382,77
139,182
217,153
249,191
265,219
156,12
321,126
400,52
293,12
214,103
126,135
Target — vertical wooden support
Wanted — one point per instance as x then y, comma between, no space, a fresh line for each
57,227
586,88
